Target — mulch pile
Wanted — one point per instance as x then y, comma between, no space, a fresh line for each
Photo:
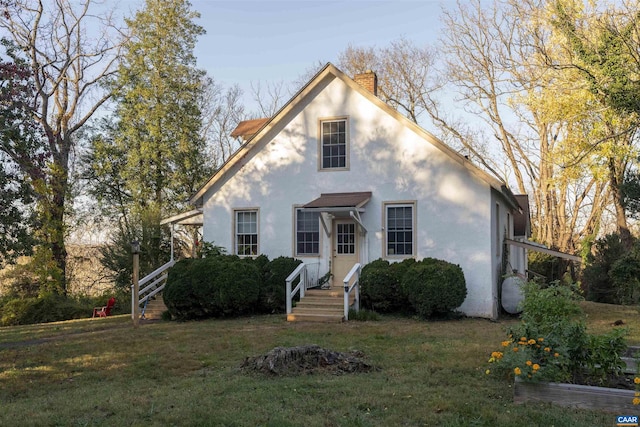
306,359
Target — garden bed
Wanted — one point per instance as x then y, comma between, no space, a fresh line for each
618,397
576,396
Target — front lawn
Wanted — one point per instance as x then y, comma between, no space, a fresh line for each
104,372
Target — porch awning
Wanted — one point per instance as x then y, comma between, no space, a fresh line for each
339,202
540,248
193,217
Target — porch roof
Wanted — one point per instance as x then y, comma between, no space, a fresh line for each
331,201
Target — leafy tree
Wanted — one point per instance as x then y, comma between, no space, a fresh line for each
19,134
148,158
605,48
67,69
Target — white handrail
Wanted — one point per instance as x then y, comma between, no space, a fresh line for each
158,281
355,271
300,271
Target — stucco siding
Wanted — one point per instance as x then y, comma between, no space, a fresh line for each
453,207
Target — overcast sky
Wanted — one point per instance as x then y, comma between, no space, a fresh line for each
274,41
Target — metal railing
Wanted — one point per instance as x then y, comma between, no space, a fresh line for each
355,288
155,282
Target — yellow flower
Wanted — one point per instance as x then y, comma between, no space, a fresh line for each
636,400
637,394
506,343
540,339
515,348
556,354
517,371
523,339
529,363
531,341
636,380
536,367
496,355
487,372
547,349
491,360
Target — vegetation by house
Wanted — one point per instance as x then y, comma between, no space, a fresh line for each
429,287
227,286
551,342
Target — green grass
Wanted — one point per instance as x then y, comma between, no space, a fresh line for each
105,372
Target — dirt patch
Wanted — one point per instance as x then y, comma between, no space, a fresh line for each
306,359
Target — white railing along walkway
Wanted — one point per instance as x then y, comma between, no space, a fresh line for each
154,282
355,288
301,273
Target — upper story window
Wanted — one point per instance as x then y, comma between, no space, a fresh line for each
334,150
400,229
246,232
307,233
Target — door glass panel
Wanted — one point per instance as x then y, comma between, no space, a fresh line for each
346,238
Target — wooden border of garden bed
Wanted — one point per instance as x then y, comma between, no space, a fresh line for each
576,396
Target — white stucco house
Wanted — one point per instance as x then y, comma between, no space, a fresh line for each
338,177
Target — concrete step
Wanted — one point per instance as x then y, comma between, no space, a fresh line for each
320,305
314,317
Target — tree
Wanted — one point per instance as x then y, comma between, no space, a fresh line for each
19,135
605,48
67,70
221,112
499,60
151,156
405,73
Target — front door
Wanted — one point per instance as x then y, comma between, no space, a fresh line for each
345,249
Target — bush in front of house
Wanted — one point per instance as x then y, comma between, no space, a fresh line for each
273,290
434,287
218,286
226,285
380,286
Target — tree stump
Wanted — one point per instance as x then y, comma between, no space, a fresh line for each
305,359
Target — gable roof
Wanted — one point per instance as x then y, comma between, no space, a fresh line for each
330,71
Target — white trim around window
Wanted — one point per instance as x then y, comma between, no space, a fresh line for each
400,229
246,232
306,233
333,143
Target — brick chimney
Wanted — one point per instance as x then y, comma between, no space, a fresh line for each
368,80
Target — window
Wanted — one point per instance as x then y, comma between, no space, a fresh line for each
333,139
247,233
400,229
307,233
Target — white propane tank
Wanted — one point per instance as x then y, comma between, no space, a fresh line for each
512,294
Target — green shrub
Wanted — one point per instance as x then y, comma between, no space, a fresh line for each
549,306
595,277
273,290
217,286
552,344
48,308
625,277
379,287
434,287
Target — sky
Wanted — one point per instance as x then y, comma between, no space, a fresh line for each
278,41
